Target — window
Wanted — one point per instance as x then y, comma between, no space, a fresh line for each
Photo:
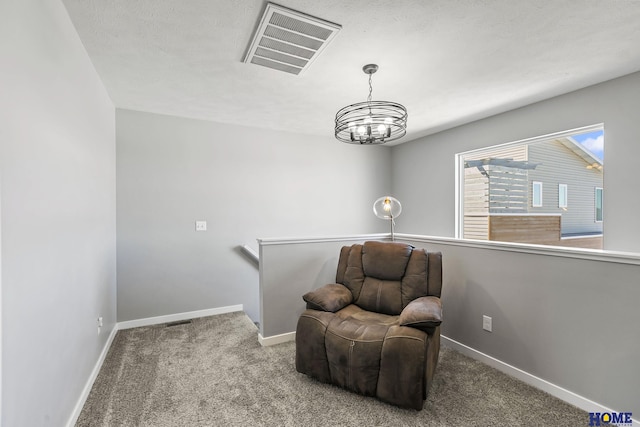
519,191
563,196
598,203
536,191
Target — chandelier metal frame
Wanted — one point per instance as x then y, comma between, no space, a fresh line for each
371,122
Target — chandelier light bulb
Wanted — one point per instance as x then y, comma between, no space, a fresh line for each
361,130
382,129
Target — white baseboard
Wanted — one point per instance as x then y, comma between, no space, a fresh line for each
544,385
92,378
148,321
276,339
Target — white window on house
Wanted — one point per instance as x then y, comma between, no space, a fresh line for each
507,192
563,201
598,203
536,194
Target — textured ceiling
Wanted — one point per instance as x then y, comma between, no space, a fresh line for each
448,61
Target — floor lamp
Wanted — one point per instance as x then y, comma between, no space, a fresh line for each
388,207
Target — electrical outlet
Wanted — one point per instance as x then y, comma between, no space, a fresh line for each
99,324
486,323
201,225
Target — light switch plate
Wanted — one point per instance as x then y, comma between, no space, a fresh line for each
487,323
201,225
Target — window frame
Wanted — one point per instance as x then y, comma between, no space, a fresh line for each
459,169
535,184
564,193
595,204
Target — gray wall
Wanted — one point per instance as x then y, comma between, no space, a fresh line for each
57,161
423,170
247,184
570,322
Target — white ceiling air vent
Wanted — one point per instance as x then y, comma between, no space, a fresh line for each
289,41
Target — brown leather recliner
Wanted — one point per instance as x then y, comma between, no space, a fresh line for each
376,331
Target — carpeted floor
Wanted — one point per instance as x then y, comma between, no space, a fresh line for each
213,372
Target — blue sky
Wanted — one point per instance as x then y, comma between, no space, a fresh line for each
592,141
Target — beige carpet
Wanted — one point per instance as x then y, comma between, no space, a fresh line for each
213,372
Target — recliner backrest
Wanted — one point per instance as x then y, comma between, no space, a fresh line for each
386,276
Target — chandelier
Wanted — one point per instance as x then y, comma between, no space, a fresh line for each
371,122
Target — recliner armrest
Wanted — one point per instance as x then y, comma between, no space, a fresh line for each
423,313
332,297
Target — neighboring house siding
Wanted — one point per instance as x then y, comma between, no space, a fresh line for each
476,227
476,192
560,165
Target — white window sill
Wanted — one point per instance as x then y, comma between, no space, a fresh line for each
580,253
558,251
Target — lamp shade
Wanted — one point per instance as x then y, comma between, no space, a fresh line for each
387,207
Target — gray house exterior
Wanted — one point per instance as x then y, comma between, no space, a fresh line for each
552,178
564,161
